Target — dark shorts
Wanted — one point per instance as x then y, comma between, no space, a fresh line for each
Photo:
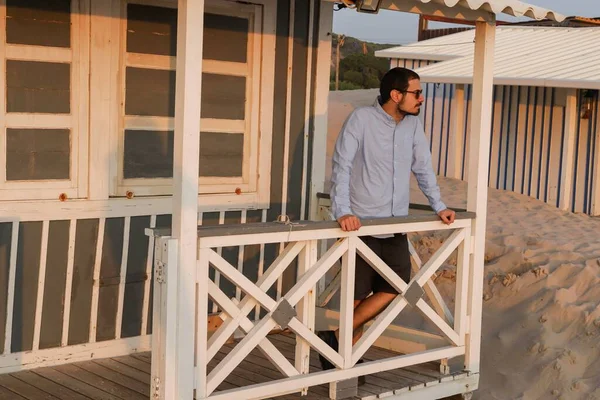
394,252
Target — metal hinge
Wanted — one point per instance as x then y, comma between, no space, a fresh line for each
160,271
156,387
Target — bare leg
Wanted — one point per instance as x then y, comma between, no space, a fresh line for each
367,309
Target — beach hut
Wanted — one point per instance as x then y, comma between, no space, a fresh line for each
127,124
544,141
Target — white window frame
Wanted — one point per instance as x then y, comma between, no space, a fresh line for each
257,126
94,117
76,121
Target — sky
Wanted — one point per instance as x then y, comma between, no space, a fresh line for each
400,28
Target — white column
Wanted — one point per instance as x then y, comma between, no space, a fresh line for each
457,130
568,156
596,168
317,180
190,23
481,122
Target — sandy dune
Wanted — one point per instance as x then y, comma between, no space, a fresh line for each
541,315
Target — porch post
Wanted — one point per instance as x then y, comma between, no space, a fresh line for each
457,128
317,180
596,168
481,122
568,156
190,23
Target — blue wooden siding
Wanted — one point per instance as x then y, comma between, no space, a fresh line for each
527,140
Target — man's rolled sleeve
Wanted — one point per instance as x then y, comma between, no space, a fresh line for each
346,147
423,170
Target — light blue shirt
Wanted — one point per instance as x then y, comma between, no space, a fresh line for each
372,162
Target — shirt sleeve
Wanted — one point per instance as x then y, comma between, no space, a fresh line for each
423,170
345,150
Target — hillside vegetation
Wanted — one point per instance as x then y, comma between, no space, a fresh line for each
359,68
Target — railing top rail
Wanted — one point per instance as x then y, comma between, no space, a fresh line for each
411,206
298,226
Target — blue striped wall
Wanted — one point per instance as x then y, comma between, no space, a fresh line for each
585,178
527,140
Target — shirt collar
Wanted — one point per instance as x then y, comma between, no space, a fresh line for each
381,111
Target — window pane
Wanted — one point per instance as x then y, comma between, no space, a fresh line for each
148,154
225,38
221,154
150,92
151,30
34,154
38,87
39,22
223,96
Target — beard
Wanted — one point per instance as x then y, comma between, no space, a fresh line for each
405,112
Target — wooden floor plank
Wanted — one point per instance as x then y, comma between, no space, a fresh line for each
288,350
100,383
287,347
128,377
76,385
231,382
256,358
6,394
378,354
397,381
48,386
125,370
115,377
379,383
134,363
286,344
24,389
258,374
255,363
145,355
141,358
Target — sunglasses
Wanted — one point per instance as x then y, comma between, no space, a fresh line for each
417,93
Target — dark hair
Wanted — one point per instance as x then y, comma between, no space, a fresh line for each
396,79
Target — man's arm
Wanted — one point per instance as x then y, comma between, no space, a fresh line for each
346,147
423,170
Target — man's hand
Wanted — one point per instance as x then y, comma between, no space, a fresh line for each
349,222
447,216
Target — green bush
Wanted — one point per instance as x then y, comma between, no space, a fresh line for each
365,64
349,86
372,82
354,77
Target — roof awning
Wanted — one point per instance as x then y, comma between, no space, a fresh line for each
473,10
525,56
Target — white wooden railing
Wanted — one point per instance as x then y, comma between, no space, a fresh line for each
296,309
28,217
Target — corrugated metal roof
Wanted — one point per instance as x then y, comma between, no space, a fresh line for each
525,56
438,49
510,7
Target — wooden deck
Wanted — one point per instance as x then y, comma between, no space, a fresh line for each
128,377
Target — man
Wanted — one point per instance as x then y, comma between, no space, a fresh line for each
376,151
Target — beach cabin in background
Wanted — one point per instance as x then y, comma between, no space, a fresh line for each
122,117
545,137
424,32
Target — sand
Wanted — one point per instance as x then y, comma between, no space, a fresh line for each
541,312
